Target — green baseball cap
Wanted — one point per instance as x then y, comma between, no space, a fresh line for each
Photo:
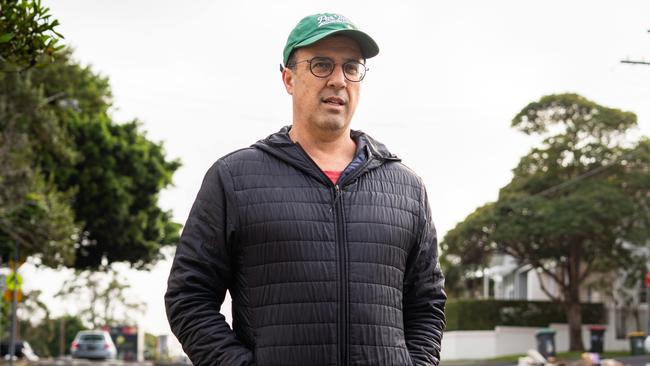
313,28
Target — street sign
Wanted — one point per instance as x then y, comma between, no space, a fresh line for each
647,279
14,281
9,296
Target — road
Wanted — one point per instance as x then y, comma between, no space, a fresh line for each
629,361
77,362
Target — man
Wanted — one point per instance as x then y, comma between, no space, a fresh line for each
323,238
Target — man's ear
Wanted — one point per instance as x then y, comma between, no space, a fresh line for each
288,80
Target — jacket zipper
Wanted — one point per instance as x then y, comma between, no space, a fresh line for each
343,270
339,224
343,259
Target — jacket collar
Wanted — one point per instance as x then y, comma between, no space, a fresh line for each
282,147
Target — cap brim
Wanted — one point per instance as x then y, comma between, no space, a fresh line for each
368,45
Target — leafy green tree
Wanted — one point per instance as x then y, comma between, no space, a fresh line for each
45,336
577,205
624,289
102,297
83,189
117,175
462,280
27,35
150,343
36,326
34,212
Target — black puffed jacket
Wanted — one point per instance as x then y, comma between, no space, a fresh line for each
319,273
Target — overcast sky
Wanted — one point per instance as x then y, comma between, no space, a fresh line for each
203,77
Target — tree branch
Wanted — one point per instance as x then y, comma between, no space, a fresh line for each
586,272
545,289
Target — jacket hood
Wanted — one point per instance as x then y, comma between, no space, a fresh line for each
281,146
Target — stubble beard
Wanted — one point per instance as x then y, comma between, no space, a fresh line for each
329,123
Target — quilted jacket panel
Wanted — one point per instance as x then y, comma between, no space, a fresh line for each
319,274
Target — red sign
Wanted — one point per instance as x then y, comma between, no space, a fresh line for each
647,279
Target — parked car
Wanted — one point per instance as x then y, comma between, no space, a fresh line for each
23,350
95,344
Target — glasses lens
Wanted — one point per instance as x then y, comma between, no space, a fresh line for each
321,66
354,71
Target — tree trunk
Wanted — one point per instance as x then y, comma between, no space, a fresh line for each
572,299
574,317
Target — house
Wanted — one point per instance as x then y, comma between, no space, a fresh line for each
506,279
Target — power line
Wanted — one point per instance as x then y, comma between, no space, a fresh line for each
633,62
581,177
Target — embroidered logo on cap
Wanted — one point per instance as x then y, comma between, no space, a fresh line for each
336,18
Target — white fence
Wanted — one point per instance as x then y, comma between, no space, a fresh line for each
467,345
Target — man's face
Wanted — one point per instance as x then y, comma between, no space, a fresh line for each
325,104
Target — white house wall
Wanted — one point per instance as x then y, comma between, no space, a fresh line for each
534,290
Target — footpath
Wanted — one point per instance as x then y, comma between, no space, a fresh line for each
643,360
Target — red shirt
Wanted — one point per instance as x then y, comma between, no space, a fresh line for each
332,175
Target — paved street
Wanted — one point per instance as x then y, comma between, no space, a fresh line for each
75,362
82,362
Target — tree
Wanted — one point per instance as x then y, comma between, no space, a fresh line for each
102,298
117,175
34,214
577,205
84,188
150,347
44,335
27,35
36,325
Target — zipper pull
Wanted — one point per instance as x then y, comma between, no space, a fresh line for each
337,191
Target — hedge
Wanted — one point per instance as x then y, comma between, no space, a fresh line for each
466,314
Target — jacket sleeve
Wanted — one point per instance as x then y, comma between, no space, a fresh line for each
424,296
201,274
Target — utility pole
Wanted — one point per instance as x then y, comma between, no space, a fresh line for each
14,305
636,62
62,337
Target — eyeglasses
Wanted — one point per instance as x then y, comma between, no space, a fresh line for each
323,67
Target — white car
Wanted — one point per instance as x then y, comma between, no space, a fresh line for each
95,344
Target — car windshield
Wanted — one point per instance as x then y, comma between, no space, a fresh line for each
91,337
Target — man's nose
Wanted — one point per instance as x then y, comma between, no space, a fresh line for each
337,78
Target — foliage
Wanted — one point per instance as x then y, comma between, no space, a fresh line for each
117,176
150,343
82,189
36,326
34,212
118,180
27,35
471,314
44,337
577,205
78,189
624,287
102,298
461,280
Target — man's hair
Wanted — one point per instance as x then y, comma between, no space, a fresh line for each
291,61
